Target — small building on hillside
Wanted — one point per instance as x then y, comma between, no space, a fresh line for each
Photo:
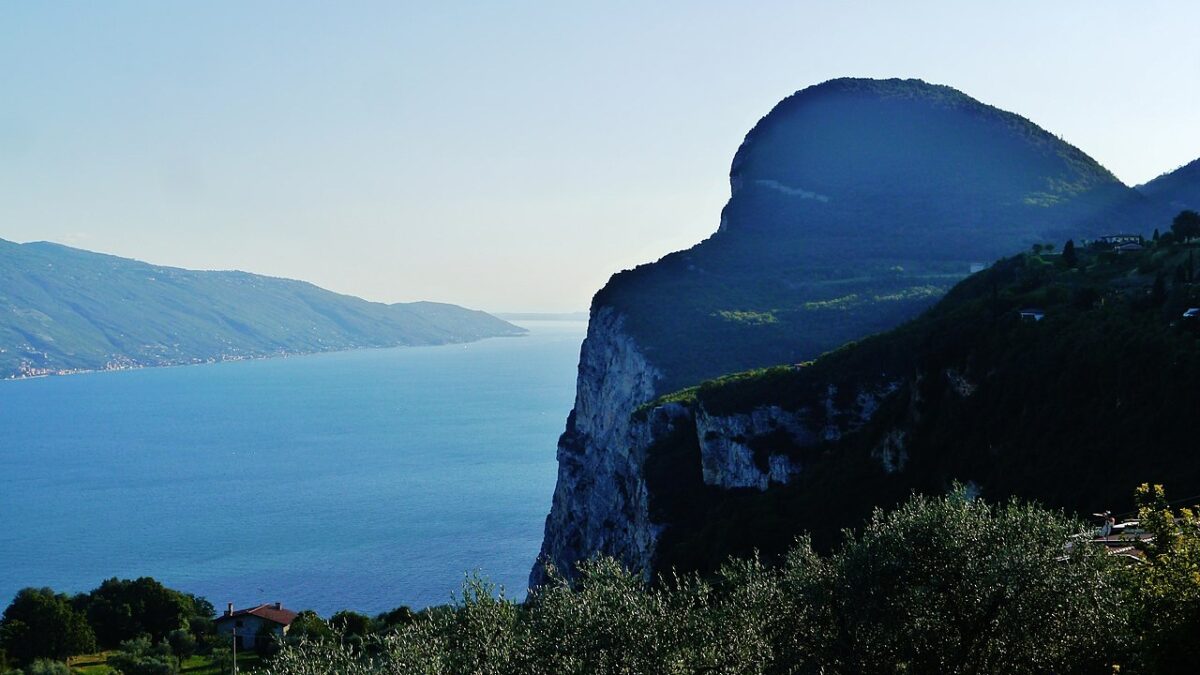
1119,239
1032,314
1129,247
248,625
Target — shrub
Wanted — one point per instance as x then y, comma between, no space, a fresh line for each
944,584
47,667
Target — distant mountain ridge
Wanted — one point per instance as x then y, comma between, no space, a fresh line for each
66,310
1176,190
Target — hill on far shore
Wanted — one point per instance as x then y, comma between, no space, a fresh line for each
66,310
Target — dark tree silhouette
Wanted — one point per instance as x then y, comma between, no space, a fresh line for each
1069,257
42,624
1186,225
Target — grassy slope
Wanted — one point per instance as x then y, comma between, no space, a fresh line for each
97,664
63,309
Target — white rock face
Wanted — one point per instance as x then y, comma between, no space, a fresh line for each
600,503
892,451
727,458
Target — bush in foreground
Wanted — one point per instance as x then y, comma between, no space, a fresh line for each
950,585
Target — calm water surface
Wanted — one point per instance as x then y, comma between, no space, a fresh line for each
363,480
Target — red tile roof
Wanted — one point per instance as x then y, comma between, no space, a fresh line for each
270,612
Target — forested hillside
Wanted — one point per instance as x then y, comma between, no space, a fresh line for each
1065,377
64,309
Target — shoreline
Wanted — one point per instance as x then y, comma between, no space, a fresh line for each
19,377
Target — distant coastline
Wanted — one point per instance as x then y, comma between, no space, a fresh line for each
541,316
36,373
65,311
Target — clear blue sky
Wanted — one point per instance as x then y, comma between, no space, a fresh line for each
506,156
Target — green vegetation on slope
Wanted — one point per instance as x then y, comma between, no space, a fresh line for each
122,614
63,309
855,205
1069,410
946,584
1178,189
939,585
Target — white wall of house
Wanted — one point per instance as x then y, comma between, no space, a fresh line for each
248,627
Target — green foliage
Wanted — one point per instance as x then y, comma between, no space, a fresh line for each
308,625
42,624
400,616
1186,225
347,622
183,643
123,609
945,585
1044,410
144,619
1070,258
608,622
140,656
222,660
955,585
47,667
1168,587
751,318
267,642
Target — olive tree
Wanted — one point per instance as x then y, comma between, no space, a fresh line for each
955,585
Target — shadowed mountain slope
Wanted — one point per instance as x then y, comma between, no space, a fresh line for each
856,203
1073,409
1175,191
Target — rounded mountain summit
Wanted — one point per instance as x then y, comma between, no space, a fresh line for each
856,203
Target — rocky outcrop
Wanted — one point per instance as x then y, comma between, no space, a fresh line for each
743,450
760,447
600,503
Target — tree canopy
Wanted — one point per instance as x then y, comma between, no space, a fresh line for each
123,609
42,624
942,584
1186,225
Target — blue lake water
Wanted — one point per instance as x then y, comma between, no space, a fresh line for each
364,480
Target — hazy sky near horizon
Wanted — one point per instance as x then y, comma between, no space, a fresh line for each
505,156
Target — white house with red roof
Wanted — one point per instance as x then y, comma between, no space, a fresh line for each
248,625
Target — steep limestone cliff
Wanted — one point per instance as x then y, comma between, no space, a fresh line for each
600,500
607,501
